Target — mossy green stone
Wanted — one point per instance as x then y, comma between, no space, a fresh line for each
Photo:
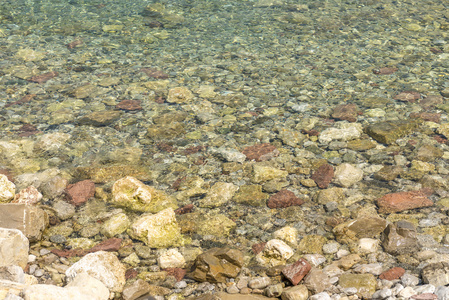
251,195
389,131
216,225
312,244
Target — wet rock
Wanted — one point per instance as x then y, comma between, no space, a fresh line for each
29,196
229,155
333,194
284,198
266,173
408,96
215,224
298,292
275,253
136,289
157,230
312,244
274,290
102,174
217,265
100,118
397,202
171,259
260,152
348,261
297,271
426,116
389,131
251,195
428,153
30,220
344,132
323,175
287,234
103,266
166,131
363,227
179,95
348,112
225,296
115,225
83,286
7,189
219,194
388,173
364,283
42,78
392,274
347,175
436,274
400,238
14,248
134,195
259,283
80,192
320,296
317,281
63,210
442,293
129,105
290,137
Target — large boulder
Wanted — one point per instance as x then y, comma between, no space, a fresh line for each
29,219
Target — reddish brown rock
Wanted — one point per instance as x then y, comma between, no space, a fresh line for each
184,210
69,253
284,198
323,175
432,117
346,112
178,273
408,96
431,101
396,202
257,248
74,44
131,273
23,100
392,274
129,105
155,73
260,152
27,129
112,244
425,296
43,77
80,192
385,70
297,271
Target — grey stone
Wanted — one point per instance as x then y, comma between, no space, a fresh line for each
409,280
29,219
382,294
14,247
436,274
298,292
320,296
442,292
274,290
135,290
316,281
12,273
64,210
400,238
259,283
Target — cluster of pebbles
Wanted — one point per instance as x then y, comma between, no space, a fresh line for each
224,150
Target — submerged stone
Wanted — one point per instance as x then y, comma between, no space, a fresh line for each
389,131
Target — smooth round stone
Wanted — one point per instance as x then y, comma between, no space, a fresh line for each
331,248
180,285
39,272
58,239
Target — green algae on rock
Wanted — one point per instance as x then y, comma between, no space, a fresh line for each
389,131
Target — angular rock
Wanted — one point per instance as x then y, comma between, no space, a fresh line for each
7,189
436,274
115,225
100,118
347,175
297,271
251,195
323,175
317,281
265,173
260,152
134,195
397,202
171,259
392,274
157,230
364,227
14,247
219,194
179,95
29,219
346,112
80,192
12,273
275,253
345,132
29,196
400,238
103,266
259,282
215,224
364,283
312,244
298,292
217,265
228,155
129,105
287,234
284,198
389,131
136,289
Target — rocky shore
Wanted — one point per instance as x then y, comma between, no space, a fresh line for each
224,150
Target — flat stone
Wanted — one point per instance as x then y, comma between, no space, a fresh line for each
397,202
14,247
115,225
389,131
392,274
179,95
101,174
408,96
348,112
298,292
29,219
323,175
80,192
259,282
347,175
266,173
135,290
400,238
129,105
251,195
219,194
364,283
225,296
260,152
297,271
312,244
284,198
317,281
436,274
100,118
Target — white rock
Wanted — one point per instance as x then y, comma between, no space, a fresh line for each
82,287
346,175
103,266
30,195
228,154
219,194
259,283
315,259
115,225
409,280
14,247
426,288
442,292
346,132
407,292
375,269
382,294
331,247
367,245
7,189
171,259
275,252
287,234
298,292
320,296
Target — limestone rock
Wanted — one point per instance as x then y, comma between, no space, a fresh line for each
14,247
219,194
215,224
29,196
436,274
7,189
171,259
364,227
228,155
364,283
317,281
136,289
287,234
29,219
157,230
251,195
389,131
311,244
115,225
298,292
103,266
82,286
265,173
179,95
345,132
217,265
275,253
100,118
347,175
400,238
132,194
